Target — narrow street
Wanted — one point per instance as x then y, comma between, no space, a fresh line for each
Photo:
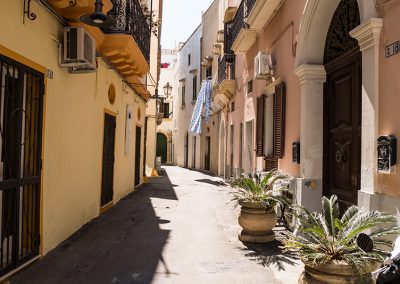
178,228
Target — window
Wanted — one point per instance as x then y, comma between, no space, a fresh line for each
166,110
249,87
183,96
194,87
189,60
271,127
233,106
209,71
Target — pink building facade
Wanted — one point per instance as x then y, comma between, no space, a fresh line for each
326,113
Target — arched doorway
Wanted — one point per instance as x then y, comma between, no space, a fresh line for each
342,107
162,147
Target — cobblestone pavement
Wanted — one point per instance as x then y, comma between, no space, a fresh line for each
178,228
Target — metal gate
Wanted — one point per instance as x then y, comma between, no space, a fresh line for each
21,111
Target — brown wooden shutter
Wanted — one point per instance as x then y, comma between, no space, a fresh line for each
260,127
279,121
271,164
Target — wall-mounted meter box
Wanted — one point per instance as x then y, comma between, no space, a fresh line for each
386,152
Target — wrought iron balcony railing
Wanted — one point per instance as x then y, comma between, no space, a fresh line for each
242,13
226,68
131,20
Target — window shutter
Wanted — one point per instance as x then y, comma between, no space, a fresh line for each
271,164
260,127
279,121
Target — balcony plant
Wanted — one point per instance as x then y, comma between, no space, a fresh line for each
258,193
327,244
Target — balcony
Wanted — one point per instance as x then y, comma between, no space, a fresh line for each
71,11
127,44
225,87
131,21
242,35
262,13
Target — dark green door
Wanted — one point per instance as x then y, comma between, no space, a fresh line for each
162,147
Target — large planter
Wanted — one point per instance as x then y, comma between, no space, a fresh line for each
257,223
334,273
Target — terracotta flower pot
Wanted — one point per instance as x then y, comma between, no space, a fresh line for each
334,273
257,223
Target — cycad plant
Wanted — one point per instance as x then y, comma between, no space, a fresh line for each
259,188
324,237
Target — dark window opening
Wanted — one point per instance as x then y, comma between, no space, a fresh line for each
194,87
183,96
249,87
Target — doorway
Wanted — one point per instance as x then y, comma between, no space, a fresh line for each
138,144
21,117
207,157
194,152
186,162
162,147
342,107
232,135
249,148
107,181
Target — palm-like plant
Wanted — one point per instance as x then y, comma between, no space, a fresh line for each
258,188
322,238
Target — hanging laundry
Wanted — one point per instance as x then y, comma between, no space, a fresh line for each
204,98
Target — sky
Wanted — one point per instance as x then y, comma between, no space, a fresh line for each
180,19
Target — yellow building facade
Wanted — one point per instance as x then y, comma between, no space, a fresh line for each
70,129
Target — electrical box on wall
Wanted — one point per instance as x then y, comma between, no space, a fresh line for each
296,152
386,154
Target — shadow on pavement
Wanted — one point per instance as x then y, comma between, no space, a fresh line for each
271,254
123,245
211,174
210,181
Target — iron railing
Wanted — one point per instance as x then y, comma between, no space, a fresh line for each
131,20
226,68
242,13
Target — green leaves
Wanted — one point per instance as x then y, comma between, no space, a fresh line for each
258,187
330,212
324,237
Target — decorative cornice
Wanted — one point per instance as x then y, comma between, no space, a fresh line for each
308,73
368,33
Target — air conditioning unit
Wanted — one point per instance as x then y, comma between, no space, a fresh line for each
263,68
78,52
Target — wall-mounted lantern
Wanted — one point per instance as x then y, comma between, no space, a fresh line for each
296,152
98,18
386,152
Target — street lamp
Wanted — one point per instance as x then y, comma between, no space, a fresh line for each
98,18
167,90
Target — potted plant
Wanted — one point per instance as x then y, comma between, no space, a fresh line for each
258,193
326,243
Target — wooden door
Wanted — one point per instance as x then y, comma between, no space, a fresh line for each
207,164
137,154
342,135
107,189
161,149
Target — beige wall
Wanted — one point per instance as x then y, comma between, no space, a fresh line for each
389,90
152,80
73,126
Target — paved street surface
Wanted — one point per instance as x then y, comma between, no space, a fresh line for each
178,228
